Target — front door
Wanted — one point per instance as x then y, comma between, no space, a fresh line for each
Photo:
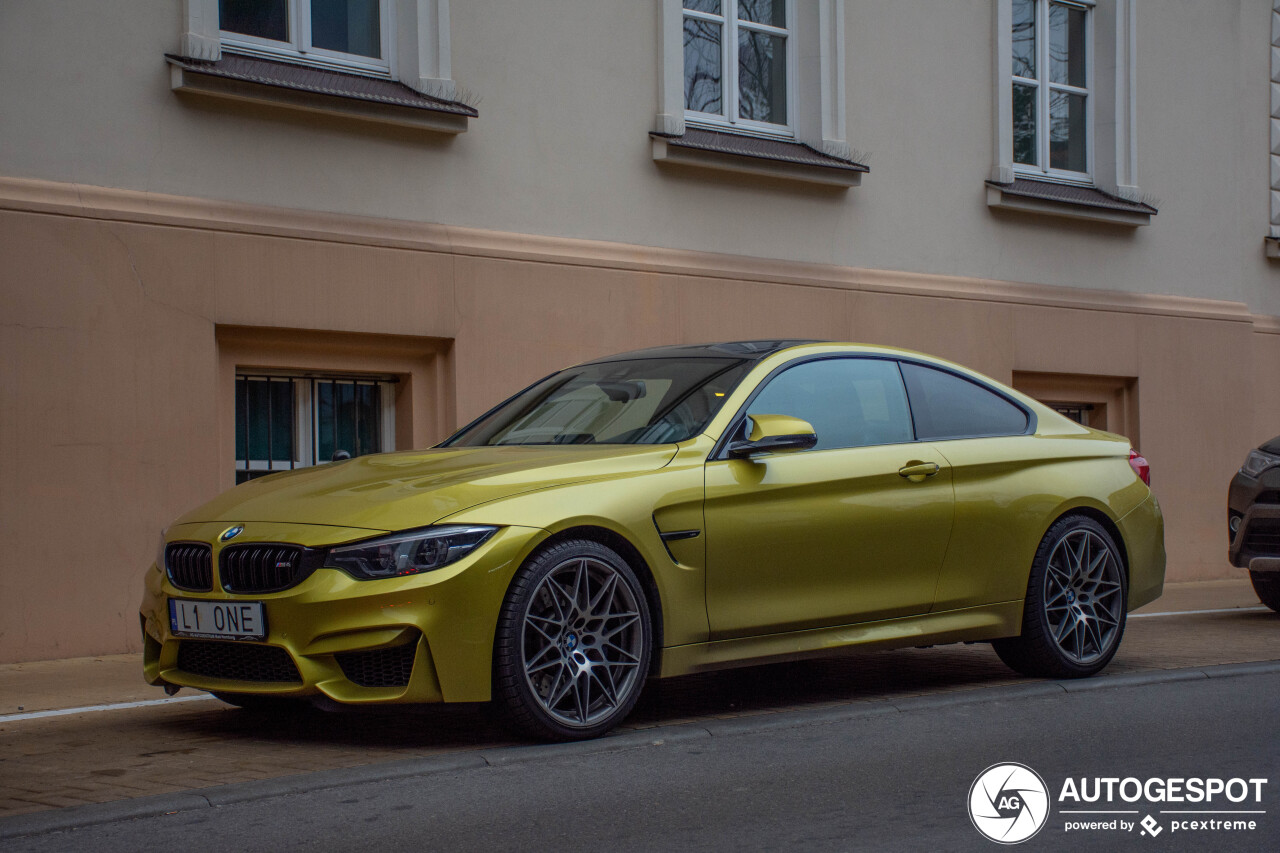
853,530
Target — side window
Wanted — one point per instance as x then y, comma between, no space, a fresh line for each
851,402
948,406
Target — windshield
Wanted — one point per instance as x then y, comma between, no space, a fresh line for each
644,401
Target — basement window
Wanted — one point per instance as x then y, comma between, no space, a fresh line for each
288,421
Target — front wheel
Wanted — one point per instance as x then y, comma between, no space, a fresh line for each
1267,586
1077,597
573,643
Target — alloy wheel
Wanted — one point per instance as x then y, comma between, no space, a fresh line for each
1083,596
582,642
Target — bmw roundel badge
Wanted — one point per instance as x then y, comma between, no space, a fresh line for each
230,533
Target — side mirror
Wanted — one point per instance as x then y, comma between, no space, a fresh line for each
774,434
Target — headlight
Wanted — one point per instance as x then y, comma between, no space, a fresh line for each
1257,462
407,553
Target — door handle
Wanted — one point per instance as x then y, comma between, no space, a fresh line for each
916,472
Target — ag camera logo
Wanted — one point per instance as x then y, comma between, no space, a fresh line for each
1008,803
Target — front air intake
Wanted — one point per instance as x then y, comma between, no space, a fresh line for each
237,661
1262,538
380,667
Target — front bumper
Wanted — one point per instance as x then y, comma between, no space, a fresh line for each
1256,543
1253,507
351,641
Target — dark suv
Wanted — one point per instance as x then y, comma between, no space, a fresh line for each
1253,519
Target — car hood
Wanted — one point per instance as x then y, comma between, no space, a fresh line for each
395,491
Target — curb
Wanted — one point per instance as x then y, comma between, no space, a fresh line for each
75,817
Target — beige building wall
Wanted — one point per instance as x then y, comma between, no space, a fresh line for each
126,316
151,243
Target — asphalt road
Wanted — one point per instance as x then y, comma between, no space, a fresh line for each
891,781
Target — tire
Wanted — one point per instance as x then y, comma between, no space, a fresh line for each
573,643
1267,586
1076,604
261,704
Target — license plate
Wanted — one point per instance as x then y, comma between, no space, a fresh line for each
219,620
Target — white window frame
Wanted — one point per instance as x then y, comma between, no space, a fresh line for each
729,98
816,85
416,36
1113,155
301,49
306,427
1045,88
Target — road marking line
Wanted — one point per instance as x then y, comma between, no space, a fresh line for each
61,712
1197,612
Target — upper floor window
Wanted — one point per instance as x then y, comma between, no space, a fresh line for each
352,34
1065,111
1052,107
738,63
755,87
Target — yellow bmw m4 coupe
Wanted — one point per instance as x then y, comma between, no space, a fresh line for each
658,513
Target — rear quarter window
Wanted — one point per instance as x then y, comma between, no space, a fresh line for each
945,405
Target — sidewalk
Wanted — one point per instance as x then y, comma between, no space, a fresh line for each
164,747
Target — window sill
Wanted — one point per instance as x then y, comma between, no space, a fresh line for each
754,155
1072,201
299,87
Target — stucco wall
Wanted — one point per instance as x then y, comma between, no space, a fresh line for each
567,94
124,317
547,234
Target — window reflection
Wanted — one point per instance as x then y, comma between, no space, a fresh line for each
771,12
266,19
762,77
702,88
1024,38
1067,45
347,26
1024,124
1067,141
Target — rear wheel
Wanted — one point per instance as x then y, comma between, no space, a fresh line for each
573,643
1267,586
1077,597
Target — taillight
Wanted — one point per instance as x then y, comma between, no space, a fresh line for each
1140,466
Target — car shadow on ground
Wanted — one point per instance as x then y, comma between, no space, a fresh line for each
687,699
774,688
